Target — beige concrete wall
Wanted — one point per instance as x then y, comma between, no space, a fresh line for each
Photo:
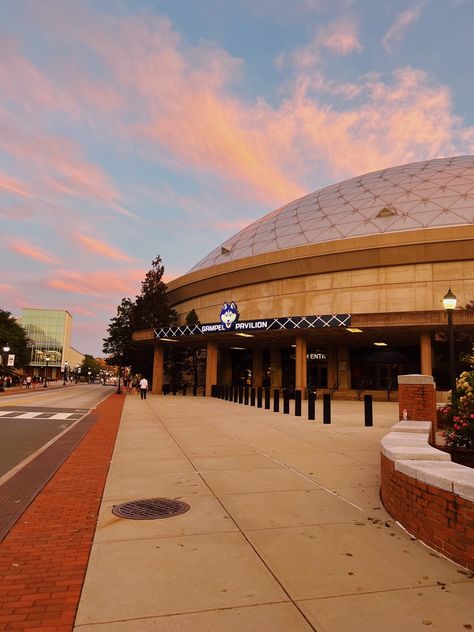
416,287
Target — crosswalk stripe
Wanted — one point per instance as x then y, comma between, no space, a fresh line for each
17,414
28,415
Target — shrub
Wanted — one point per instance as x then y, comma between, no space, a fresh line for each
461,433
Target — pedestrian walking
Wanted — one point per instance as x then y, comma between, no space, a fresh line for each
28,381
143,387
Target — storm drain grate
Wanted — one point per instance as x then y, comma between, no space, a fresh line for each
150,509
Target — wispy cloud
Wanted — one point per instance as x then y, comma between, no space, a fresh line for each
98,283
397,31
102,248
27,249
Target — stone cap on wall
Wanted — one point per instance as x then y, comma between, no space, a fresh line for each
407,446
415,379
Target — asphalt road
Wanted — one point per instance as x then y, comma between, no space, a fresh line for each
32,419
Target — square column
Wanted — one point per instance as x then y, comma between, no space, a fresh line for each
301,371
344,367
426,355
157,379
211,367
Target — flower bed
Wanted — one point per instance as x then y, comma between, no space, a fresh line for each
458,416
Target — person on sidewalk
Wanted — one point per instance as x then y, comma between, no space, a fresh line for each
143,387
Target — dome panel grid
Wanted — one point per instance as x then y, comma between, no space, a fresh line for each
432,193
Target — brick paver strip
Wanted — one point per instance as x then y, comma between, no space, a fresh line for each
44,557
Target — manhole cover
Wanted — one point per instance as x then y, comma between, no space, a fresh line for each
150,509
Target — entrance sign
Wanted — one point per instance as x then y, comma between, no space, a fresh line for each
267,324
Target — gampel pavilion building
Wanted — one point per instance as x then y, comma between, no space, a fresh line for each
341,289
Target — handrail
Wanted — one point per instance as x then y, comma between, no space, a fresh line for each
334,387
389,389
361,388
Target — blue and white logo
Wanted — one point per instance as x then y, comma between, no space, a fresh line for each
229,315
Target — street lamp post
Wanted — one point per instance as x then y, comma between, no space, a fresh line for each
46,372
449,304
65,373
89,375
6,349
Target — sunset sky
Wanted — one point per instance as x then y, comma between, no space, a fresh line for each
132,128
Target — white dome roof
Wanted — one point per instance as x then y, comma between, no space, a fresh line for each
425,194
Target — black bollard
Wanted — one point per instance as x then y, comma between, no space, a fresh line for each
276,400
246,395
297,403
311,406
267,399
195,390
259,397
286,402
252,396
368,412
174,389
184,390
241,394
326,408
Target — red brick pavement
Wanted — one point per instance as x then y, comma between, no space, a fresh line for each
44,557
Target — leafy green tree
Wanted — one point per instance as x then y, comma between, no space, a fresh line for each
151,306
90,364
149,310
13,335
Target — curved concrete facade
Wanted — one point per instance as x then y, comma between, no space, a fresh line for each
383,248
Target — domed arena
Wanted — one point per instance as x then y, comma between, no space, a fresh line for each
340,290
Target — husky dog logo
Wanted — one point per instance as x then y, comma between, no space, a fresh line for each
229,315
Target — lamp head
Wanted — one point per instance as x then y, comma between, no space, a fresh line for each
6,348
449,300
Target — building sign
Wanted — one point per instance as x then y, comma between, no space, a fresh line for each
229,322
11,359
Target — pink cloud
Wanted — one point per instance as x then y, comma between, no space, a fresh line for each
177,107
27,249
399,28
340,37
15,186
98,283
102,248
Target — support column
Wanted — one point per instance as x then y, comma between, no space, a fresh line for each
301,371
426,355
211,367
257,368
332,366
275,364
344,368
158,362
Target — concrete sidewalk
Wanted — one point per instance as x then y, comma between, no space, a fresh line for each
286,531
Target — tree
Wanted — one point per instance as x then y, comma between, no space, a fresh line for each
151,306
13,335
149,310
90,364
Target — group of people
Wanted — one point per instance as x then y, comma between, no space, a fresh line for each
134,384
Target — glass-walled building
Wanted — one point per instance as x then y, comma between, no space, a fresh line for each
49,334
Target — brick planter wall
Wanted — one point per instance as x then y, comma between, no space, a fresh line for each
439,518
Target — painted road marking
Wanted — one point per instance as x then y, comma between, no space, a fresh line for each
42,414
